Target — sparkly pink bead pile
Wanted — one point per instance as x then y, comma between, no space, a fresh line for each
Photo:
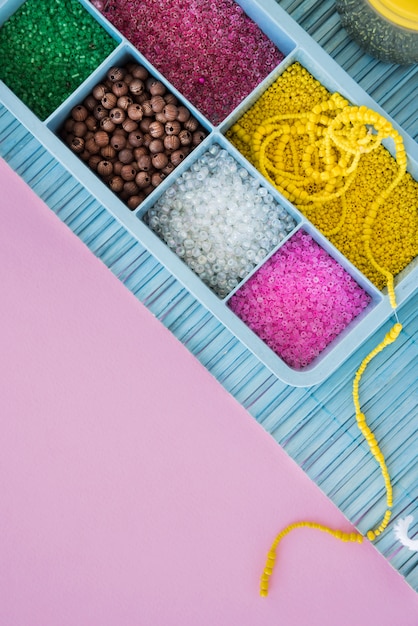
299,301
212,52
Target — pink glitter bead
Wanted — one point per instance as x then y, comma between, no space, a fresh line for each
303,301
185,39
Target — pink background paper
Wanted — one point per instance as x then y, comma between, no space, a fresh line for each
134,490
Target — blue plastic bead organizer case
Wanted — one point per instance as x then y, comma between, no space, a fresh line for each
296,45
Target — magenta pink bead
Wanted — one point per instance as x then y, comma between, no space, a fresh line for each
212,52
299,301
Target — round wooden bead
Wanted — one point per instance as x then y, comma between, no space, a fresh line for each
136,87
128,172
156,129
142,179
92,146
107,124
124,102
147,108
77,144
135,112
90,102
155,146
145,123
94,160
80,129
138,152
157,178
116,183
170,98
178,156
126,156
117,115
138,71
144,162
172,142
191,124
134,201
129,125
168,168
101,138
118,141
183,114
117,167
79,113
100,112
108,152
109,100
185,137
130,187
159,160
155,87
91,123
157,103
197,137
104,168
170,112
160,117
116,74
172,128
120,88
69,125
99,91
136,138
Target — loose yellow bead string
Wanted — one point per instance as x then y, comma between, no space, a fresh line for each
348,133
271,557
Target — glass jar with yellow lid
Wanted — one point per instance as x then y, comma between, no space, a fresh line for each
386,29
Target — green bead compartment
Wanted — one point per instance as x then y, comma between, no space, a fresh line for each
48,48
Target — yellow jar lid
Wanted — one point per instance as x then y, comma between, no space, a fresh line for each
401,12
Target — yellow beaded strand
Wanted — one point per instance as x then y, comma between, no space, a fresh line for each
390,337
271,557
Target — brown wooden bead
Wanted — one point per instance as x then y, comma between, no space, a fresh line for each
156,129
99,91
159,160
144,162
172,128
100,112
118,141
94,160
168,168
130,187
101,138
157,178
109,100
147,108
128,172
191,124
90,102
124,102
157,103
135,112
155,86
128,78
155,146
148,190
138,71
197,137
170,98
136,87
117,115
116,183
85,155
136,138
69,125
108,152
143,97
142,179
185,137
107,124
117,167
120,89
147,139
172,142
91,123
170,111
139,152
77,144
145,123
104,168
116,74
160,117
79,113
126,156
80,129
92,146
183,114
129,125
134,201
178,156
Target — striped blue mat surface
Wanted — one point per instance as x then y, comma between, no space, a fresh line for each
315,425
